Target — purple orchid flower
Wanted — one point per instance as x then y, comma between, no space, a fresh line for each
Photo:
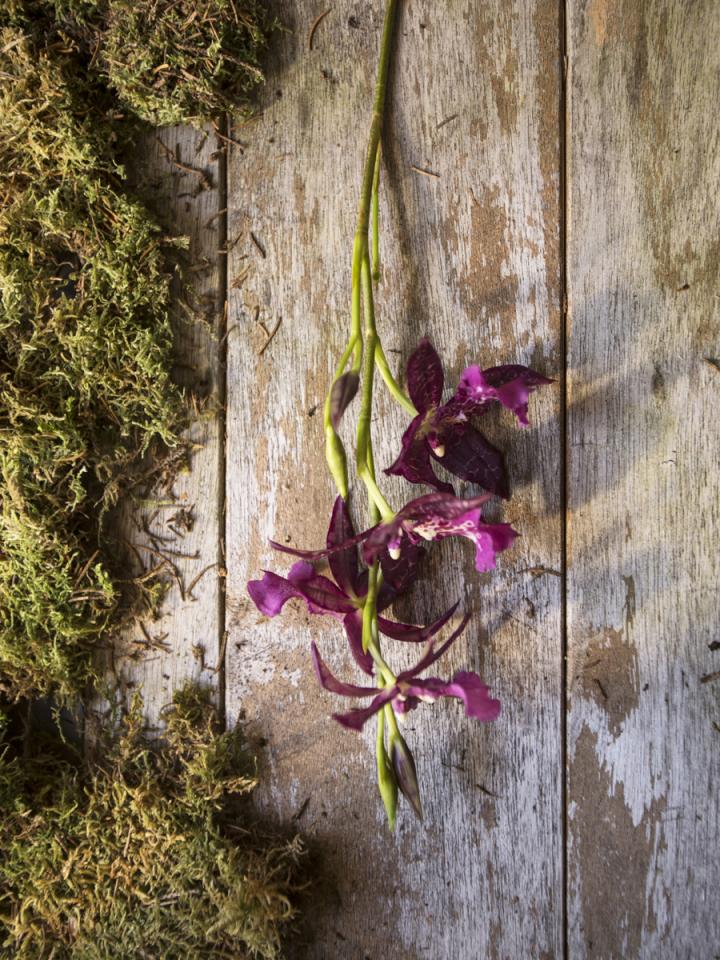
443,432
435,517
409,689
432,517
343,599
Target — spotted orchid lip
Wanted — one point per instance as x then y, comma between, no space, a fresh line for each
437,516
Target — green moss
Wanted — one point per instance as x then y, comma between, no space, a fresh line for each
85,356
150,854
85,300
169,61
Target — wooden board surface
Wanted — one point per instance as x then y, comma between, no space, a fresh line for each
644,448
470,258
178,529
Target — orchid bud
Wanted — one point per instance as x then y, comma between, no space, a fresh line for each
336,460
388,785
405,771
341,395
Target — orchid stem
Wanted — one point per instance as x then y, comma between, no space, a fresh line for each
391,383
365,466
376,216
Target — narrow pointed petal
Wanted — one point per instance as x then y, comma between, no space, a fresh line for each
432,654
425,377
330,682
412,634
313,555
353,629
343,563
272,592
471,457
341,396
414,462
355,719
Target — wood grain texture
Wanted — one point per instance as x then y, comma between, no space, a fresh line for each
644,407
180,524
471,258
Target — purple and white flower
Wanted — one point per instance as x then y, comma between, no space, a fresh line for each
409,690
444,433
344,598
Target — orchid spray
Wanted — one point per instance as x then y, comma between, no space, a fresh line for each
369,570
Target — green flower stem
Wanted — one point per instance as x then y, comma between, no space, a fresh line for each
390,382
387,781
392,723
376,216
364,455
360,245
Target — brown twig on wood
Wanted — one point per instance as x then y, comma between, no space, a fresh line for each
425,173
316,24
270,337
205,183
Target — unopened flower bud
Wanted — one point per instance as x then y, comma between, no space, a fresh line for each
336,460
406,772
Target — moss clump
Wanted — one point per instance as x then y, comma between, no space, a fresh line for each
169,61
85,357
148,855
85,299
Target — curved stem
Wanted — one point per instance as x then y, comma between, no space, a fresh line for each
391,383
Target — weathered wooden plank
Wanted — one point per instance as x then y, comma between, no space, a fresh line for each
471,257
644,521
181,525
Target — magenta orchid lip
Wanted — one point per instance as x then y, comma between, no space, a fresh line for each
371,569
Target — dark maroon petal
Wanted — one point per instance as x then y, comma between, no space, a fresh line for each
432,654
401,573
331,683
411,634
272,592
341,396
471,457
343,563
414,461
355,719
353,629
321,594
425,377
465,686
